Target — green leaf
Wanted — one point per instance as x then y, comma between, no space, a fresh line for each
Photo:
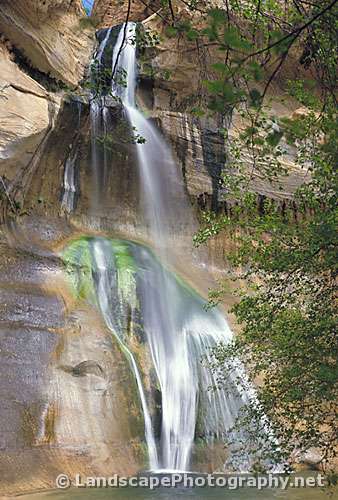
192,34
219,16
274,138
256,71
215,86
166,74
233,39
217,105
221,68
255,97
211,33
197,112
225,90
171,31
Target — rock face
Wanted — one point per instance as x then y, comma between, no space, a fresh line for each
47,39
111,13
201,150
69,401
49,35
26,115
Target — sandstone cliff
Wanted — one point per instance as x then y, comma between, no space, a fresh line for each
43,47
49,35
26,115
111,13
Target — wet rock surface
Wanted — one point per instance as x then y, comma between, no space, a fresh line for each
67,397
202,152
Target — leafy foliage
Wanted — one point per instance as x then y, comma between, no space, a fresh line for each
145,37
286,254
122,134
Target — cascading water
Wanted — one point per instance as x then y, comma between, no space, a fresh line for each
99,126
104,270
69,184
178,331
163,199
125,277
169,346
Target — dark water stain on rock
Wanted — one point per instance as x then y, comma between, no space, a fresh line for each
84,368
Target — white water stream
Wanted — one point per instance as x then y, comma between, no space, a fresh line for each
69,185
179,331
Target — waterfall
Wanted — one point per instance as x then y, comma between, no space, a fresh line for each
104,292
176,347
69,183
178,331
169,347
164,204
176,344
99,127
102,46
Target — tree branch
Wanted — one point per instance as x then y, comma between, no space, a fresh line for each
171,10
296,32
123,40
157,12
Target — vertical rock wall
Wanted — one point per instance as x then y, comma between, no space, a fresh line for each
51,35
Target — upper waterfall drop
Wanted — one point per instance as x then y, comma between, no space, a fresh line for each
124,57
163,200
